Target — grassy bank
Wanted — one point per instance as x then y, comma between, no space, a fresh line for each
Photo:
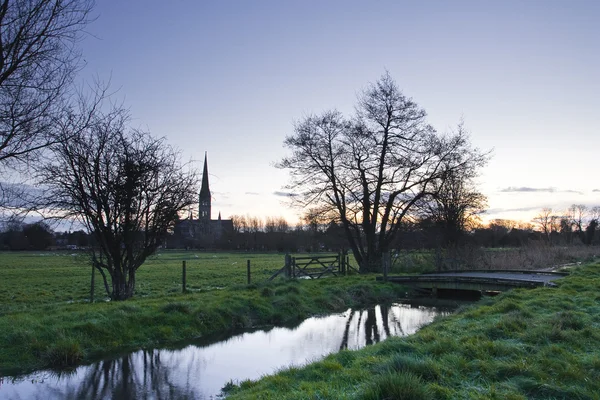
524,344
60,335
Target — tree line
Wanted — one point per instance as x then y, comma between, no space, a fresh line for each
253,233
578,223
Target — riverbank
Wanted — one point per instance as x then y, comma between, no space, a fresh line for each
65,335
524,344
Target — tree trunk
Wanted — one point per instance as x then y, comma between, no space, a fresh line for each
122,288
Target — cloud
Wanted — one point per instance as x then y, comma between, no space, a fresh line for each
252,193
284,194
526,189
596,190
503,210
220,195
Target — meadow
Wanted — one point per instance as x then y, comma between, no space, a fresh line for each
29,279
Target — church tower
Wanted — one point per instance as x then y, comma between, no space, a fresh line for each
204,209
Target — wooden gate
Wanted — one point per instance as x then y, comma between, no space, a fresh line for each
315,266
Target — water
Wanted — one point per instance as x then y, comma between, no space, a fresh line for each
200,371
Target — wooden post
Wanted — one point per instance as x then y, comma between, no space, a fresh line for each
183,277
293,267
343,262
93,284
385,262
288,266
248,266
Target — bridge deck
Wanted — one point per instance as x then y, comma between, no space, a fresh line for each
478,280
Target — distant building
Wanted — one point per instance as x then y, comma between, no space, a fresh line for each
204,231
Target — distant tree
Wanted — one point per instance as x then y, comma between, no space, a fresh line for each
125,186
254,224
239,223
12,236
368,172
78,238
566,228
590,231
595,213
39,236
38,61
579,214
545,222
454,206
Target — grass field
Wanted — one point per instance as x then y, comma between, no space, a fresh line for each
29,279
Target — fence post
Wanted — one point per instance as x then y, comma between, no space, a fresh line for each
341,260
248,266
386,260
293,267
93,284
347,260
288,266
183,277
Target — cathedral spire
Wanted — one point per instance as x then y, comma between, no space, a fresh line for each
204,189
205,193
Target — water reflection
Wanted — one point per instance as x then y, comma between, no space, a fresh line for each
200,371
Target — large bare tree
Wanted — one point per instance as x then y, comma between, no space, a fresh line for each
125,186
38,61
368,171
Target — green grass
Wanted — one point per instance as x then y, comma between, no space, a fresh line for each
35,278
524,344
46,321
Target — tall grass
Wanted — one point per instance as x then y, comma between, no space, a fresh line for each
535,256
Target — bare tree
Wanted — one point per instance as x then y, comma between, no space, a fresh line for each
239,223
579,213
38,61
125,186
276,225
454,207
545,221
595,213
368,172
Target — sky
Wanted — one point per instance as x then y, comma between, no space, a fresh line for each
230,78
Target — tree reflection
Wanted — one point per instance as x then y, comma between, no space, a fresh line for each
139,375
369,327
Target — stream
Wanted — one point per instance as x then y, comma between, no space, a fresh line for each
199,370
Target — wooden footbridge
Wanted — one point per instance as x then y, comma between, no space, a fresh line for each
483,281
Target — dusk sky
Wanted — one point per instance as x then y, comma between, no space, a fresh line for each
231,77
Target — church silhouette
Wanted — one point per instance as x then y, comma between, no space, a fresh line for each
203,231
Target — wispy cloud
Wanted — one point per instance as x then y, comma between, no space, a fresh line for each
252,193
220,195
526,189
503,210
596,190
284,194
